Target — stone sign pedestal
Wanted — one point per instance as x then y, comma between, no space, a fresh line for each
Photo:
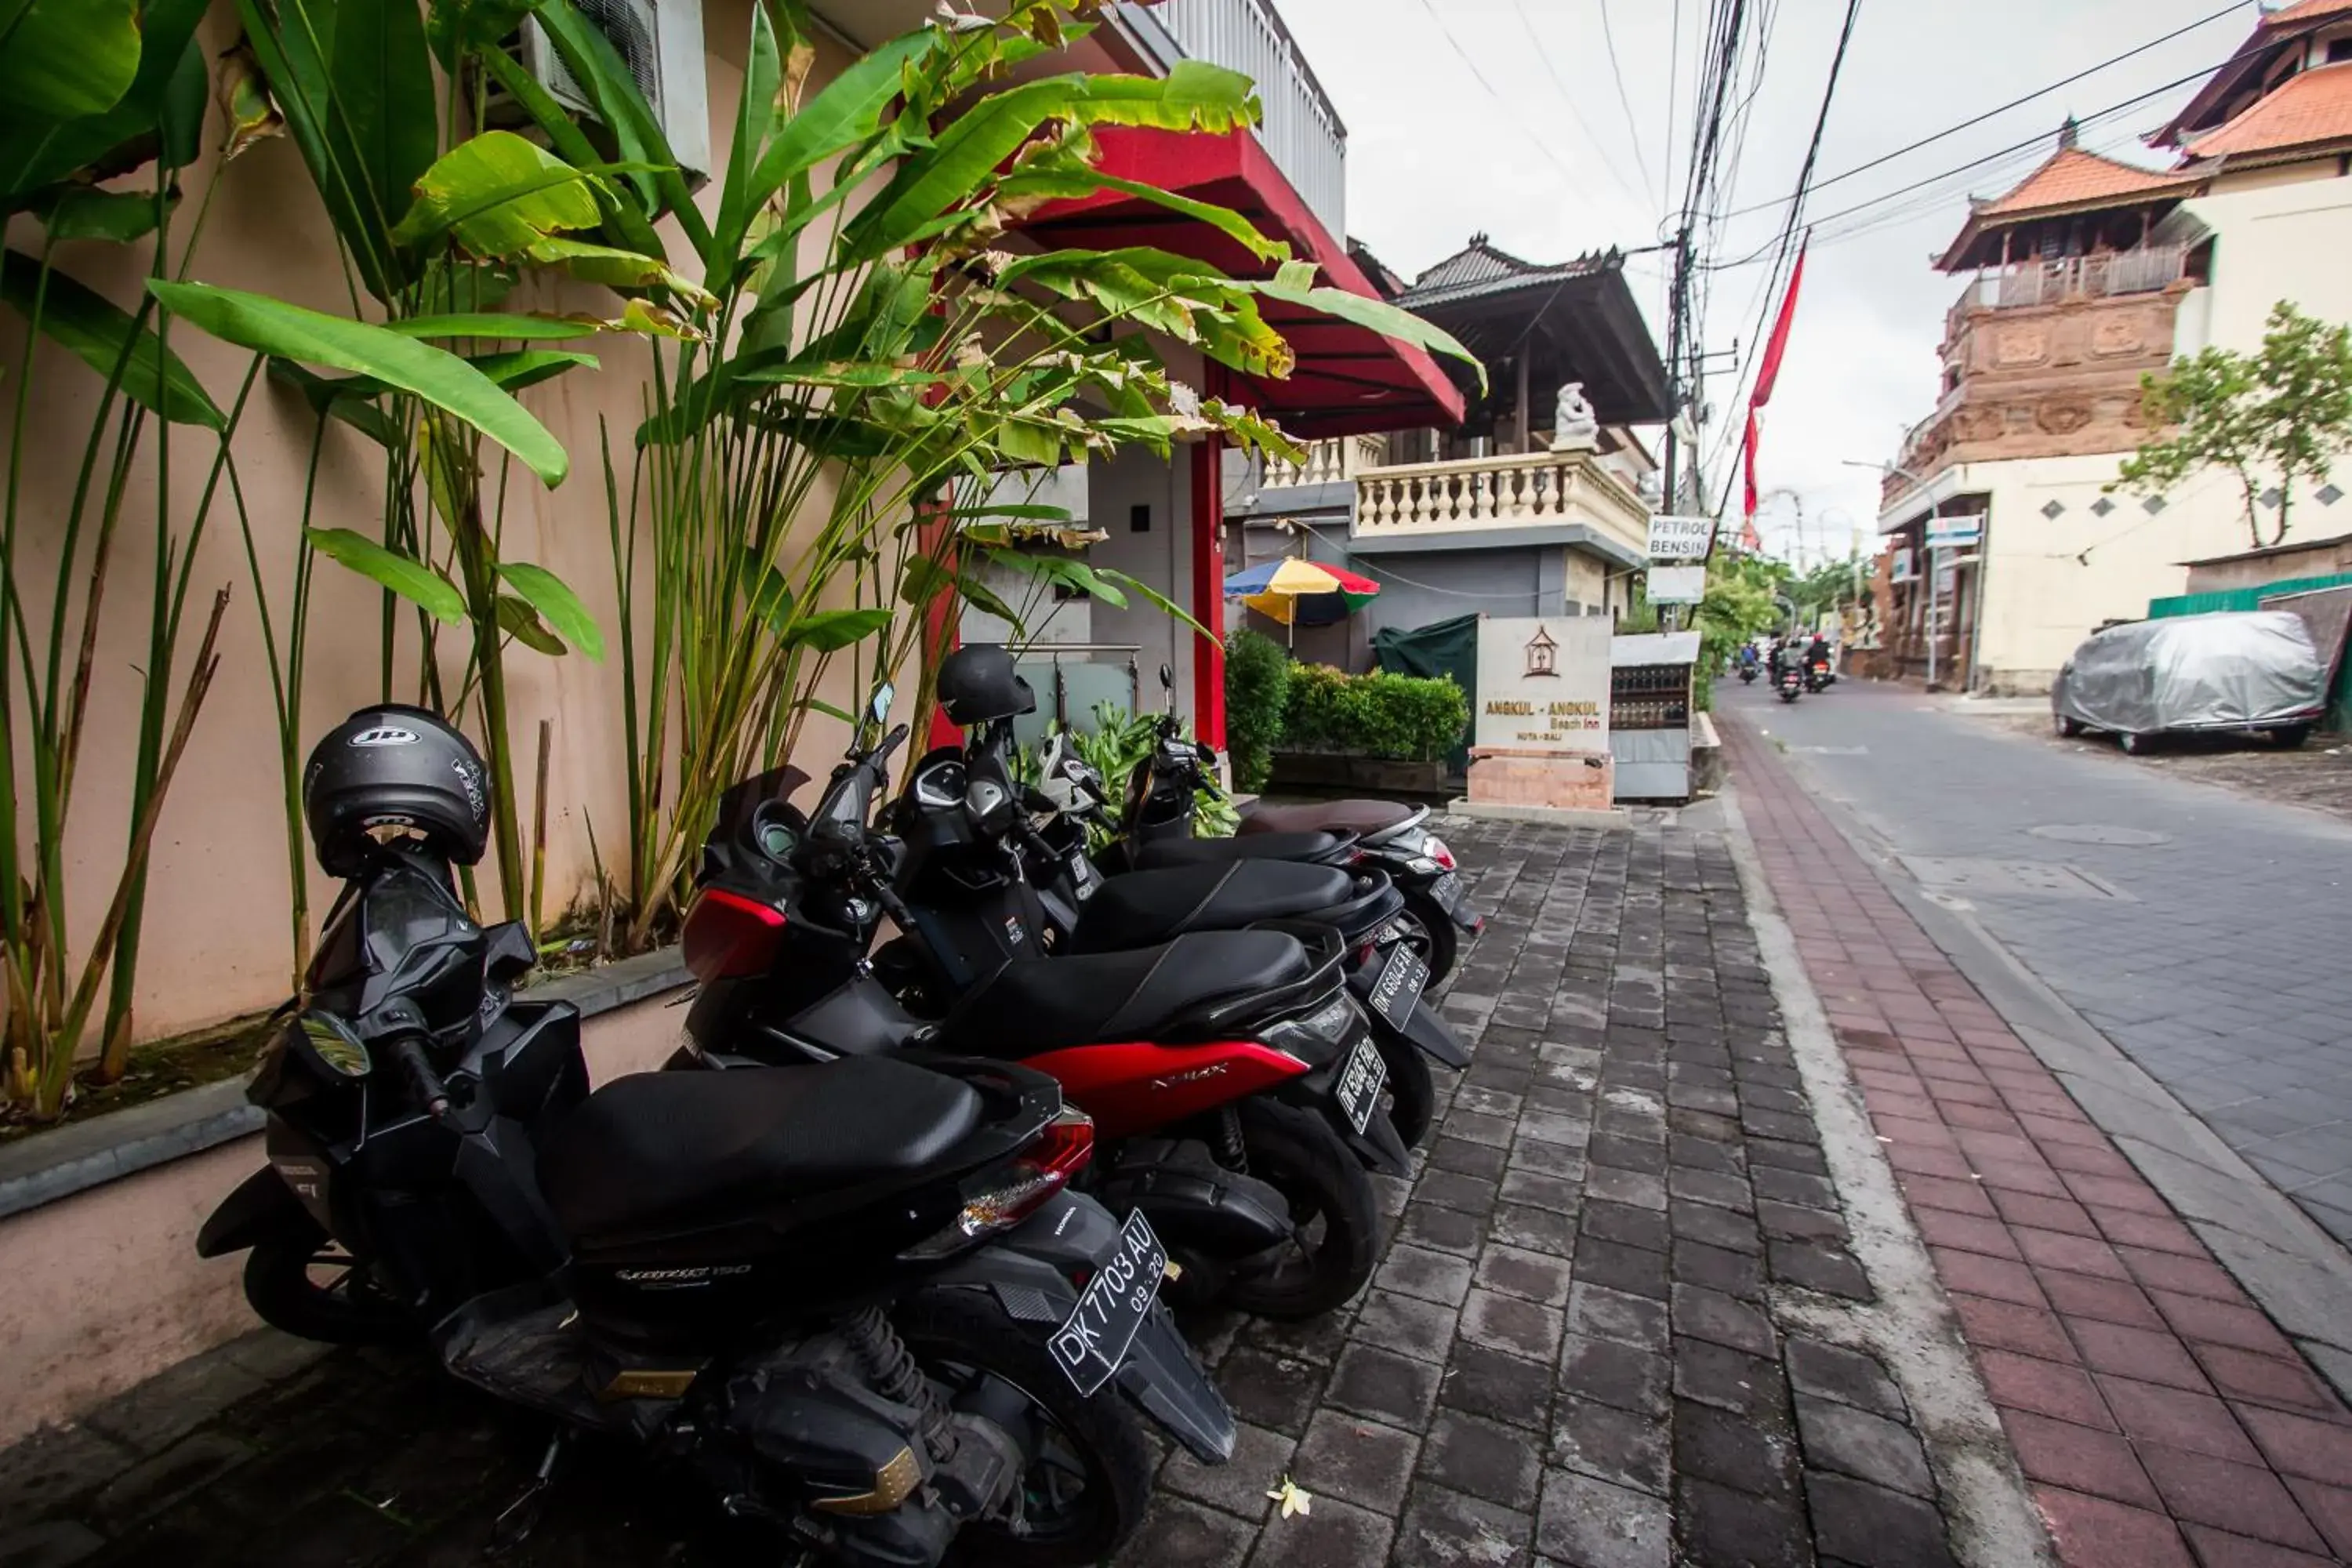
1564,788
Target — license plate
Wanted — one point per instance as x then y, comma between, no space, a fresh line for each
1402,978
1447,891
1084,880
1361,1082
1110,1311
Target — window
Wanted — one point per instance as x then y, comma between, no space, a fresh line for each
660,41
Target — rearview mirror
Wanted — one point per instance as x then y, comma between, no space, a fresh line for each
332,1043
880,708
1166,679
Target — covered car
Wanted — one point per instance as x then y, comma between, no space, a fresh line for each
2255,671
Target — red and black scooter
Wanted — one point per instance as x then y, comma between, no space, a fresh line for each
985,884
1233,1080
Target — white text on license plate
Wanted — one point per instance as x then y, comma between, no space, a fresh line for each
1360,1082
1092,1343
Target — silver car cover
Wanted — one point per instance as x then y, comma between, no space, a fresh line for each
2234,670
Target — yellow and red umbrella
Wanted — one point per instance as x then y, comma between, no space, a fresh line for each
1301,593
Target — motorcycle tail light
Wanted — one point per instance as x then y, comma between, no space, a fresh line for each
728,936
998,1199
1434,848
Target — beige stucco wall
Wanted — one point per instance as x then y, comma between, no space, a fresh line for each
216,938
2274,241
1585,581
2041,596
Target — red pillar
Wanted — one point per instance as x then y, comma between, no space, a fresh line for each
1209,589
937,538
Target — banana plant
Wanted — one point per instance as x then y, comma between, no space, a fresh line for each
436,224
864,363
105,90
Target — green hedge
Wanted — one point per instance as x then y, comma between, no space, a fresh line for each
1257,689
1402,717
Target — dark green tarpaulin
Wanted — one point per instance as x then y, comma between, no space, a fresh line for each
1443,648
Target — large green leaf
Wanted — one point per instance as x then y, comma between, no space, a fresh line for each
756,111
39,151
311,337
614,267
498,193
346,398
411,579
293,40
62,60
456,26
523,623
826,630
844,112
83,211
1289,286
1071,185
557,604
381,78
1194,96
515,369
624,224
492,324
95,330
1152,596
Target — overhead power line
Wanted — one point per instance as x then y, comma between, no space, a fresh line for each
1600,149
1625,99
1506,105
1975,121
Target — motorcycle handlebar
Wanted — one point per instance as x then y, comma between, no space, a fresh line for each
431,1093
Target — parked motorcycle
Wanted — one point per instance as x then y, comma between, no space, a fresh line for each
985,885
1154,830
1233,1082
858,1304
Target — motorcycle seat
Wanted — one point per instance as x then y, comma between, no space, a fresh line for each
1363,818
657,1147
1161,853
1035,1004
1145,906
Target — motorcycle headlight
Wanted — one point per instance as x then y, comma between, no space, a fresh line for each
1316,1037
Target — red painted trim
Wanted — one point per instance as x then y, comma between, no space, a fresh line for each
1140,1086
937,538
1208,543
1236,171
728,936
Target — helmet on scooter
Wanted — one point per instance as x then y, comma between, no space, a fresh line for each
393,771
978,683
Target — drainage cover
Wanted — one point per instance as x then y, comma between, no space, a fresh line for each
2101,833
1996,879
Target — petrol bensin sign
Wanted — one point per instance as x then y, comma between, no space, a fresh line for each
1681,538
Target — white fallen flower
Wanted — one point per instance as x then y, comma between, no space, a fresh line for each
1292,1499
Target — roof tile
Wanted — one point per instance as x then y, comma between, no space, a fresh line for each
2311,108
2073,177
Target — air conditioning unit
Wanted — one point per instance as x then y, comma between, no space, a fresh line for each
661,43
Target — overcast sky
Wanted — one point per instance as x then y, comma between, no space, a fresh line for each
1542,157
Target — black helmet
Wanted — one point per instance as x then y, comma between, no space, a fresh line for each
978,682
393,766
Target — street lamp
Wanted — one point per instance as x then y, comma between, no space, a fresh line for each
1935,567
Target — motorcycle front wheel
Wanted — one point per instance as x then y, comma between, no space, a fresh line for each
1334,1215
1090,1470
311,1288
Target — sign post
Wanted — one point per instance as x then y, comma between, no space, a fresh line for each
1678,541
1946,535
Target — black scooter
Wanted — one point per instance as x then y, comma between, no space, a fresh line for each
1790,682
858,1303
985,885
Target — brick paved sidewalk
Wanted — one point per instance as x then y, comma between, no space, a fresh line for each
1582,1348
2160,1416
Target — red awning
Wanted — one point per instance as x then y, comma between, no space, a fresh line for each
1348,379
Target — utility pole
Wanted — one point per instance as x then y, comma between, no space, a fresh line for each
1677,319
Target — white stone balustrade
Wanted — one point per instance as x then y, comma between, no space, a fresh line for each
1536,489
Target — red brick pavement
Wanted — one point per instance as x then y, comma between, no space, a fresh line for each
2159,1416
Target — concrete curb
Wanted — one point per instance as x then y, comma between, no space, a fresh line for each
2294,1269
85,1155
1912,1326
